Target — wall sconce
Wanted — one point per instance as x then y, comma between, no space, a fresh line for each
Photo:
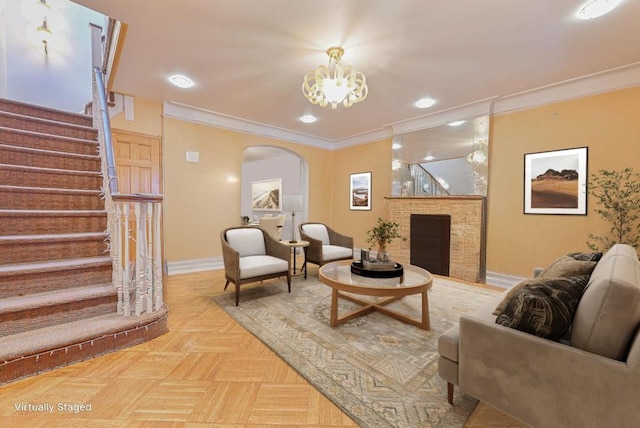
39,16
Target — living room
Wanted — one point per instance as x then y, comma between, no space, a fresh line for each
598,112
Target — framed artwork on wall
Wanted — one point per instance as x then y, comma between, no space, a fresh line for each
266,195
555,182
360,191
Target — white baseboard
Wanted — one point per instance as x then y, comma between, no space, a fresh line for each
196,265
502,280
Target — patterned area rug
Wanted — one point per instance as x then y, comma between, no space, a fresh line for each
380,371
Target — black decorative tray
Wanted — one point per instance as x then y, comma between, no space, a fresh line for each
393,272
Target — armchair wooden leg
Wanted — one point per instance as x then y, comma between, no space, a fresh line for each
450,392
304,268
226,285
237,294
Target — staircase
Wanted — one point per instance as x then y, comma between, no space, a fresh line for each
58,304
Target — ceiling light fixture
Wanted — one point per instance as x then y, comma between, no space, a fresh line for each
425,102
336,83
307,118
457,123
44,35
596,8
428,158
181,81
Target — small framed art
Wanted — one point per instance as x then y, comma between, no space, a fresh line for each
266,195
555,182
360,191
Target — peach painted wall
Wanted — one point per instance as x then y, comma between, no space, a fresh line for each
147,118
608,124
374,157
201,199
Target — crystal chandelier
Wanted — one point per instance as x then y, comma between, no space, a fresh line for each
336,83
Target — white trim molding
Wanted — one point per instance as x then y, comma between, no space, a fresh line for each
195,265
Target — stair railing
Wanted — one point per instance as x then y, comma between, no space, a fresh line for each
425,183
134,225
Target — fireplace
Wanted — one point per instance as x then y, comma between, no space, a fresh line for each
467,234
429,242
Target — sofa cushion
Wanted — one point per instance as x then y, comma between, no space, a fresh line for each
514,289
545,308
247,241
567,266
609,312
589,257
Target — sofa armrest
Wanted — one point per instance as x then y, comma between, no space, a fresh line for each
541,382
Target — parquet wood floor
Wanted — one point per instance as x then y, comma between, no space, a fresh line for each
207,371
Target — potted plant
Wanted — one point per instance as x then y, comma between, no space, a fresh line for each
618,195
382,234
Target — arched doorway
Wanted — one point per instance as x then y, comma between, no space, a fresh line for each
265,163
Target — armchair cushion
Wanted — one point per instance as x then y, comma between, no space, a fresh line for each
247,241
317,231
333,252
252,266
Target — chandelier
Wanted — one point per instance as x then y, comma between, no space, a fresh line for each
336,83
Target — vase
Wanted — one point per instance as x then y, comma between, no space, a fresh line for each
382,255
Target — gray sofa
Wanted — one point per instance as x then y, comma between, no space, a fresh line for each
591,379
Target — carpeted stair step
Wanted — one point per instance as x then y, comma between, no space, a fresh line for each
37,248
45,112
36,140
27,156
36,351
46,126
23,313
39,277
41,222
13,175
41,198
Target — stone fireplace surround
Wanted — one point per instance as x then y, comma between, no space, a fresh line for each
468,231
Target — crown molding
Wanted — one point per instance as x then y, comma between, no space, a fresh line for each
593,84
194,114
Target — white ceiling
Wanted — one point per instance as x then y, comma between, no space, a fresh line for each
248,57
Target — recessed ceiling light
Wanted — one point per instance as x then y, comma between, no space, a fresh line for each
457,123
596,8
307,118
425,102
181,81
428,158
396,146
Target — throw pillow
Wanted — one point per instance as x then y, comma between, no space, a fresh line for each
545,309
513,290
588,257
567,266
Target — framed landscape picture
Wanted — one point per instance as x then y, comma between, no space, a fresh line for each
555,182
266,195
360,191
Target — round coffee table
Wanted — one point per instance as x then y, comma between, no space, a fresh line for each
338,276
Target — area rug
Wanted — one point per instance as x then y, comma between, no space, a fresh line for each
380,371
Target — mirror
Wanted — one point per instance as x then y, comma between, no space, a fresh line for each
444,160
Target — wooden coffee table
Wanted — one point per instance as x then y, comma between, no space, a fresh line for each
338,276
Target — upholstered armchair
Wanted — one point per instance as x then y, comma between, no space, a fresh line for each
325,244
270,225
251,255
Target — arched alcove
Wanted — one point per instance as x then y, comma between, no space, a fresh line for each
266,163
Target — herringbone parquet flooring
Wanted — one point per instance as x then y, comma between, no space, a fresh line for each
207,371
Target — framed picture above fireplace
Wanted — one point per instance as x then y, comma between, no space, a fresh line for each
360,191
555,182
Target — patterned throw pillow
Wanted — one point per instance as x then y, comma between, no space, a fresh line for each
546,308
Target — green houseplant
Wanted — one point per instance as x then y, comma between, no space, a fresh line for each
618,195
382,234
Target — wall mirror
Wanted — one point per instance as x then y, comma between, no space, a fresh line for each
446,160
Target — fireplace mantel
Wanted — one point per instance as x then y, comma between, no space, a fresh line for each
468,230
